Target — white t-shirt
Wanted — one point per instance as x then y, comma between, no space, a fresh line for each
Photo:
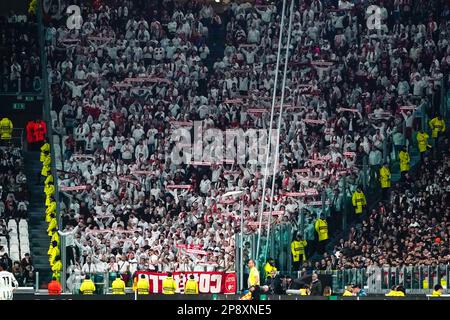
7,284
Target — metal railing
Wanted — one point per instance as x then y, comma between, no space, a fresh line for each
379,280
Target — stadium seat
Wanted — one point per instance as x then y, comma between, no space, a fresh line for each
14,254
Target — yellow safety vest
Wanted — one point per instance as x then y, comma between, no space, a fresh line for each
53,224
87,287
304,292
385,177
253,277
444,283
118,286
436,293
191,287
269,270
297,249
321,227
422,141
56,268
404,161
54,252
169,285
358,201
55,237
44,148
347,294
143,286
6,128
437,126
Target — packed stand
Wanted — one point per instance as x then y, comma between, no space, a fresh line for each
19,53
411,229
14,201
135,225
344,96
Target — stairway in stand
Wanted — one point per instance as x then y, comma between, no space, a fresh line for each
39,240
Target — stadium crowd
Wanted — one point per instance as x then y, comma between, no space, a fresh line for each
19,53
131,75
14,200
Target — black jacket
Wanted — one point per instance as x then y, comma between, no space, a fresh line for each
316,288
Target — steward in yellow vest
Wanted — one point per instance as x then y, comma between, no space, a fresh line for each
359,200
143,285
6,128
385,180
298,251
57,267
404,160
52,225
88,286
118,286
437,126
437,292
191,286
321,227
253,277
269,269
422,141
348,291
385,176
45,149
169,284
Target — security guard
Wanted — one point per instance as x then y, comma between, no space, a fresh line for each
321,227
304,291
118,286
404,162
191,286
395,292
270,269
55,237
385,180
437,126
54,287
52,225
298,252
437,292
49,191
359,201
143,285
6,128
422,141
45,148
57,267
48,180
50,209
46,164
169,284
88,286
348,291
253,277
53,252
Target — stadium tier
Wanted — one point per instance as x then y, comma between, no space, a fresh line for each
228,147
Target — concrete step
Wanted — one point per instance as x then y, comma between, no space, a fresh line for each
39,240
